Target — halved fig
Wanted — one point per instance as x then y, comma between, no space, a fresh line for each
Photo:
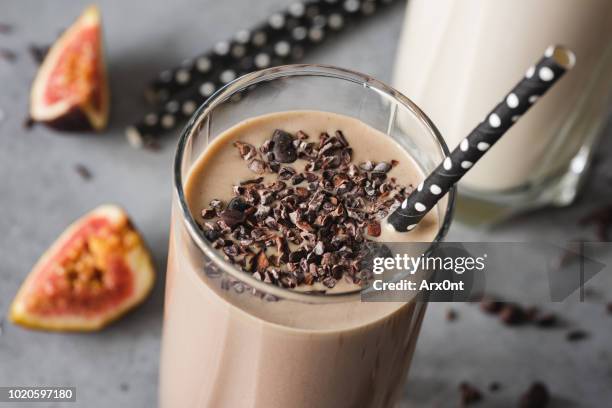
70,91
97,270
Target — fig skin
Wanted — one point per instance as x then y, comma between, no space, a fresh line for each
137,259
75,115
75,120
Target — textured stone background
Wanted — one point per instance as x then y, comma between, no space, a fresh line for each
40,193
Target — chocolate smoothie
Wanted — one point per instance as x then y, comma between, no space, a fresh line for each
227,347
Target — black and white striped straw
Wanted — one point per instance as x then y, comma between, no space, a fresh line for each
282,39
538,79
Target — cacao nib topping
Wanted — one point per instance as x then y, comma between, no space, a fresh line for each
246,151
257,166
303,227
283,148
238,203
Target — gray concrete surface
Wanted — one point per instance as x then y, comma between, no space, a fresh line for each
40,193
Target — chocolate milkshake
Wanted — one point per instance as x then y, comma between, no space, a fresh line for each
228,345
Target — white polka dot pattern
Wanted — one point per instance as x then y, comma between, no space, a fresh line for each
512,100
494,120
538,79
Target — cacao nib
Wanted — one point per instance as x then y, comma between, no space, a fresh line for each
303,227
283,148
238,204
246,150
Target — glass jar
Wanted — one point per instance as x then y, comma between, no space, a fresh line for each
456,59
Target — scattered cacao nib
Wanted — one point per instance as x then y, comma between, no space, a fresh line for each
536,396
83,172
469,394
547,320
38,52
283,148
28,123
494,386
602,219
151,145
6,28
512,315
576,335
8,55
451,315
491,306
303,227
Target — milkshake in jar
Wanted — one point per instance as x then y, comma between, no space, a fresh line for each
263,305
456,57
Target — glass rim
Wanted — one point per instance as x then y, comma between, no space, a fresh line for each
274,73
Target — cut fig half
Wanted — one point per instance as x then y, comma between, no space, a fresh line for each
97,270
70,91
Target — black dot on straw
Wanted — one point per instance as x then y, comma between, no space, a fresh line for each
297,52
319,21
162,94
165,76
291,24
368,8
312,11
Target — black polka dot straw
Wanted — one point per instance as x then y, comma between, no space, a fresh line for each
284,38
538,79
299,21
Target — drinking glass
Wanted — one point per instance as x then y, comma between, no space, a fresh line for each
230,340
